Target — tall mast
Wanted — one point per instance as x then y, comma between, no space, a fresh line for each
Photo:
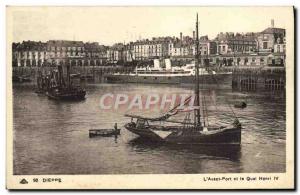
197,99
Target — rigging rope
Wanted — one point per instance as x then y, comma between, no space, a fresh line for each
225,97
205,104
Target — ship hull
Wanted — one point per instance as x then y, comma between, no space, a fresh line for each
230,135
221,79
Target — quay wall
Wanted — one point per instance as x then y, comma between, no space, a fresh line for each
258,78
94,74
248,78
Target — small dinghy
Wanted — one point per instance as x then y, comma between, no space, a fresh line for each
105,132
240,105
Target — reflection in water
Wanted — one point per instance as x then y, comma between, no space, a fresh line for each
51,137
230,152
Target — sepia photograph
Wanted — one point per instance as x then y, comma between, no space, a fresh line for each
149,94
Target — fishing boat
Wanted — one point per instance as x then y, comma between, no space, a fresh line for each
59,89
41,83
194,128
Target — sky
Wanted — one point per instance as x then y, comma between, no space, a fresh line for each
109,25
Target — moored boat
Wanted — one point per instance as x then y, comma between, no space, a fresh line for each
66,94
240,105
104,132
64,90
56,87
194,128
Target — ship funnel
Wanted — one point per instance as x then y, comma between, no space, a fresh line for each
156,64
168,64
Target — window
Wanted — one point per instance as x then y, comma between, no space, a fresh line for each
265,45
223,47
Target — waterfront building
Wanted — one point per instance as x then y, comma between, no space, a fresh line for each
227,49
95,54
60,51
207,47
115,53
268,38
280,46
229,42
244,59
150,49
183,46
53,52
29,53
128,52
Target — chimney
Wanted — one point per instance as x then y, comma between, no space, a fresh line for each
180,36
194,35
272,23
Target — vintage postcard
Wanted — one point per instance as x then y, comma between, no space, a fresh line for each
150,97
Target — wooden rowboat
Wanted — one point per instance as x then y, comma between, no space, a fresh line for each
104,132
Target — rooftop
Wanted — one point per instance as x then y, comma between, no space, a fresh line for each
273,30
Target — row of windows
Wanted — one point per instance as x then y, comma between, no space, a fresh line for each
243,42
39,54
146,49
222,48
54,48
150,54
149,46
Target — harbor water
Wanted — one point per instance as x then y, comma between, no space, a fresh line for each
51,137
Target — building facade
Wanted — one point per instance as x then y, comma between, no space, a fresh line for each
230,43
54,52
29,53
271,39
151,49
226,49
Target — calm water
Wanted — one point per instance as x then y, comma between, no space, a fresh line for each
52,137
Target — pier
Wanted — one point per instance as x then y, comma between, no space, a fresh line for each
258,78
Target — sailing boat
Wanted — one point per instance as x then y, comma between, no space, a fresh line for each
188,131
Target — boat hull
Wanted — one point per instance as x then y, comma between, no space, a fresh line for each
67,96
221,79
230,135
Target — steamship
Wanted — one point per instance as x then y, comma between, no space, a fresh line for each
170,75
